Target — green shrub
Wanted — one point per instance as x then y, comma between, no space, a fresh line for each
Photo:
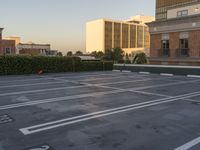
13,65
140,58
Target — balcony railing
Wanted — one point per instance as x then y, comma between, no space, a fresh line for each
183,52
164,52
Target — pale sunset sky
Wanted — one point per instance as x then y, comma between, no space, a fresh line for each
61,23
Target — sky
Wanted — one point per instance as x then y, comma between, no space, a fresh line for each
61,23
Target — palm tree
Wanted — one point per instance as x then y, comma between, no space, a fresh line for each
140,58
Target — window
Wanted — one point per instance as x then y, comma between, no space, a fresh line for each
182,13
184,44
7,50
165,44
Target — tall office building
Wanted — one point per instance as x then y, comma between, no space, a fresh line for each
175,34
130,35
163,5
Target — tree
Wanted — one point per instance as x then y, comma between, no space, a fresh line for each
79,53
108,55
127,60
116,55
98,55
69,53
140,58
59,54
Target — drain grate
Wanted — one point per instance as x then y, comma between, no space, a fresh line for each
40,147
5,119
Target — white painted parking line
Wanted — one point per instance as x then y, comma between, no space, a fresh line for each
126,71
117,77
189,145
166,74
193,76
142,72
12,81
31,84
116,71
128,81
41,90
164,85
57,99
81,118
46,77
90,85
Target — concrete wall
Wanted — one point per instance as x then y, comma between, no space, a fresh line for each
192,10
95,36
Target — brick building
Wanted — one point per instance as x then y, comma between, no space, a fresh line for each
175,39
1,29
6,46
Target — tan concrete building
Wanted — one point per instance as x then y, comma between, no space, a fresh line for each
175,40
130,35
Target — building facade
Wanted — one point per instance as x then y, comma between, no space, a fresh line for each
36,49
1,29
162,6
130,35
17,41
175,40
6,46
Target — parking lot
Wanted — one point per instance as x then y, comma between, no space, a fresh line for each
99,111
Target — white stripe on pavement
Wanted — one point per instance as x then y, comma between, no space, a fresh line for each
189,145
57,99
166,74
81,118
31,84
96,85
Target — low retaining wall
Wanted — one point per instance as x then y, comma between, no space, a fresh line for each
170,69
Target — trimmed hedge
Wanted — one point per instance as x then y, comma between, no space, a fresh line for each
15,65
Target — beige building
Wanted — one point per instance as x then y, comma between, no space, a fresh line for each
130,35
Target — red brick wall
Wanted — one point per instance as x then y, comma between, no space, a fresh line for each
194,43
155,45
0,42
8,44
174,43
30,52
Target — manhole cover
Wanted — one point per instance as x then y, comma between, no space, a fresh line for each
5,119
40,147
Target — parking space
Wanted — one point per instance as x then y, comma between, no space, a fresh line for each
99,111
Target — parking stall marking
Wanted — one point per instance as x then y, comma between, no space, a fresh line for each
189,145
115,90
96,85
31,84
77,119
81,84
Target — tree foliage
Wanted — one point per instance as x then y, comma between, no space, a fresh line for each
98,55
116,55
69,53
78,53
140,58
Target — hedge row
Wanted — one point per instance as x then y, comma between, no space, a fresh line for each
13,65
